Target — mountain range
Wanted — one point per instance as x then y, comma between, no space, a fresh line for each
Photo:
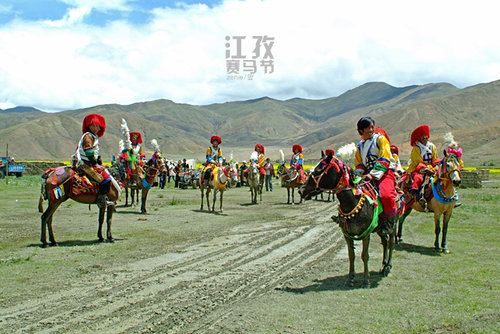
472,114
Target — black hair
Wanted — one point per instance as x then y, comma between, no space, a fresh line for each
363,123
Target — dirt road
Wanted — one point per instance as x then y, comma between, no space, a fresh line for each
195,287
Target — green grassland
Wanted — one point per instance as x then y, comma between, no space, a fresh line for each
426,292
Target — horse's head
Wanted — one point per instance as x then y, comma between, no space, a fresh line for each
326,175
254,169
451,167
156,164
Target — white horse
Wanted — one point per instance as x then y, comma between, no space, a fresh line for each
255,181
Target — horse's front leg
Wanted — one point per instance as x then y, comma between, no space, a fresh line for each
143,200
437,230
350,250
446,219
201,189
213,202
288,193
126,196
365,257
401,220
387,246
221,200
101,221
109,218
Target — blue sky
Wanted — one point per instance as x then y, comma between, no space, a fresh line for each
69,54
136,12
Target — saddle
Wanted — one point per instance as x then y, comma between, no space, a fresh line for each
79,182
424,193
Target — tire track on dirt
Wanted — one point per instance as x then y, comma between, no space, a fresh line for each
171,292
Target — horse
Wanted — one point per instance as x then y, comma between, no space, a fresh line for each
234,178
358,211
441,203
217,181
290,178
151,169
61,183
256,182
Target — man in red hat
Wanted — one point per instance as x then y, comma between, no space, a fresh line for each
214,156
87,155
373,160
136,140
297,161
261,159
424,160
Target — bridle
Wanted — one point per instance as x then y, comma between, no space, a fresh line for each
344,180
444,173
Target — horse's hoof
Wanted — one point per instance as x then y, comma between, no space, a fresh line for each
445,250
111,240
385,271
366,284
348,283
437,250
45,245
52,244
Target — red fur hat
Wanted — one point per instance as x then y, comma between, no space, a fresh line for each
139,138
419,132
216,138
381,131
330,151
298,147
261,148
94,119
395,148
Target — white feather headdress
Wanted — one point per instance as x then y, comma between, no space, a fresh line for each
154,142
449,141
125,143
282,155
347,151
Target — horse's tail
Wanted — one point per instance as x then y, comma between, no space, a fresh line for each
40,204
43,193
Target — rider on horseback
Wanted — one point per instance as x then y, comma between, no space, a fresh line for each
214,157
87,155
259,148
373,161
424,161
297,161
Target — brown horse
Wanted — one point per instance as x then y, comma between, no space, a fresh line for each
357,211
441,203
217,181
290,177
151,169
62,183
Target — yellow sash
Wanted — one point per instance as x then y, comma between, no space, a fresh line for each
215,173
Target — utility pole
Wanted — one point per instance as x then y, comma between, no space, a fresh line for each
7,166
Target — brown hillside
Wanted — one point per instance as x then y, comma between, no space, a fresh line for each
472,114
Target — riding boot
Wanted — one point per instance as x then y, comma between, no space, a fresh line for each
102,195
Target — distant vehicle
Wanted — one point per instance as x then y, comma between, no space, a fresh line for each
14,169
189,178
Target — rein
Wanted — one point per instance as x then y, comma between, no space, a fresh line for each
444,174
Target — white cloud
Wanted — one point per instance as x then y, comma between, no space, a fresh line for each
74,15
5,9
322,48
122,5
